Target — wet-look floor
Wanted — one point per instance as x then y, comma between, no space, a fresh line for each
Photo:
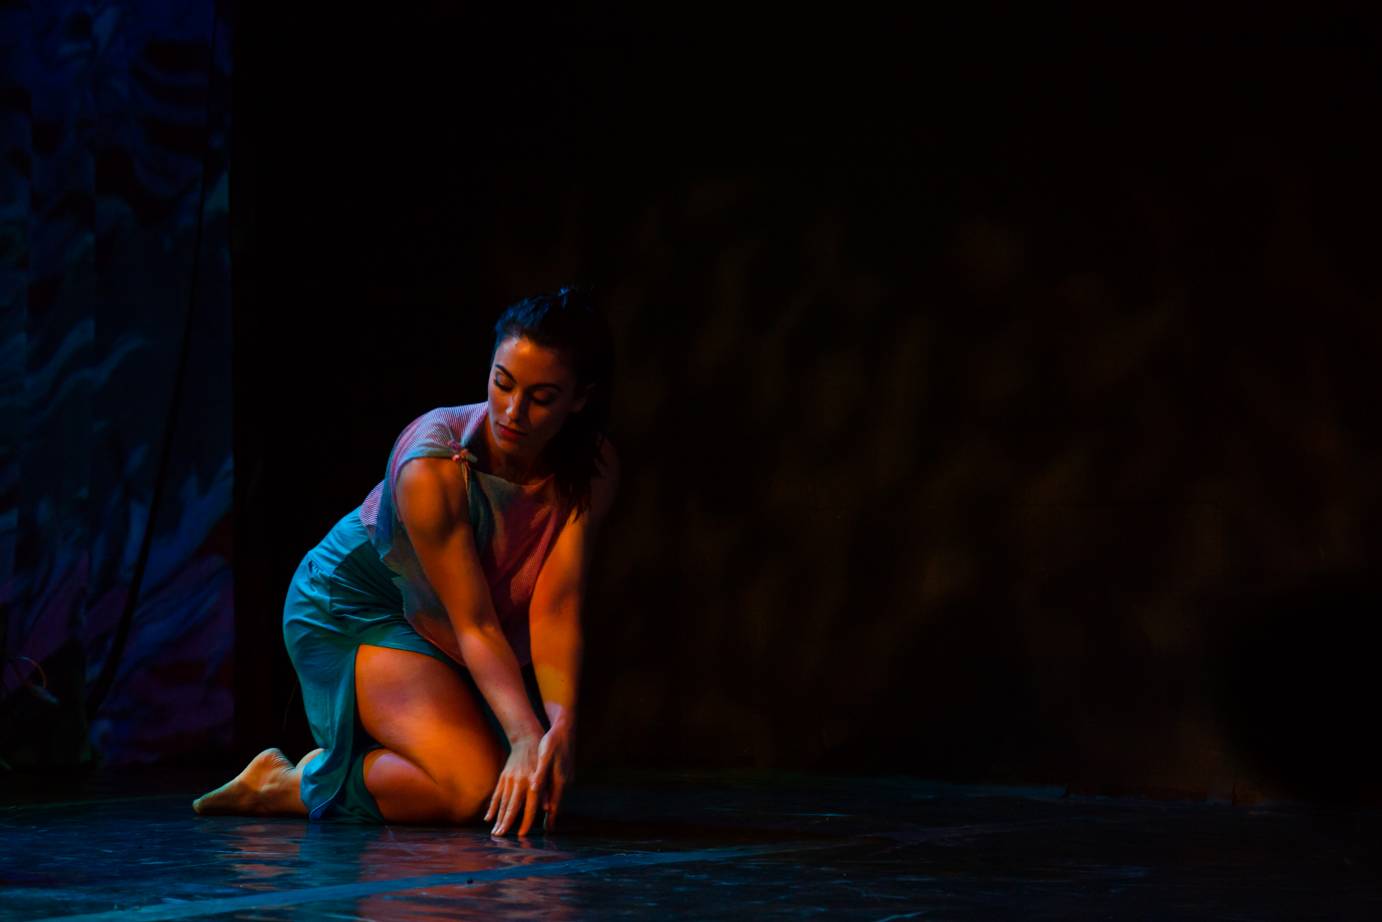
696,846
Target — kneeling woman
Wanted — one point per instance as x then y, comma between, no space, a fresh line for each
411,623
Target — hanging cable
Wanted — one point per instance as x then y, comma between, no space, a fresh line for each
101,687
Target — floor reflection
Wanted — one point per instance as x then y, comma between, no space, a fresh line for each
866,849
274,855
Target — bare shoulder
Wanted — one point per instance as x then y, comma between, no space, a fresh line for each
431,495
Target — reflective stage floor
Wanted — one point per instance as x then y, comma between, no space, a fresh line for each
696,846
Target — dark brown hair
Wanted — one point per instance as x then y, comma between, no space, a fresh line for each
569,323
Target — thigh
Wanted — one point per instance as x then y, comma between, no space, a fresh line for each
421,708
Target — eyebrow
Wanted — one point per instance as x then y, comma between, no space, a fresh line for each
542,384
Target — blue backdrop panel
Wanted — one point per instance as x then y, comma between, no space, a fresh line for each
114,121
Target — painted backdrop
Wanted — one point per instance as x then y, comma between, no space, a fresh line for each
113,186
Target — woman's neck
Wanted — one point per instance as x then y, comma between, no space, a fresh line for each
497,463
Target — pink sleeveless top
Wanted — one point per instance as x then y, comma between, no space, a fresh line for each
515,526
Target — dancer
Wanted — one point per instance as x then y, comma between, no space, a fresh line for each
438,624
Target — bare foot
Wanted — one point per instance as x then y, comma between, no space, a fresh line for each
267,787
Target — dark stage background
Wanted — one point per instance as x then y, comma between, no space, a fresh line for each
995,393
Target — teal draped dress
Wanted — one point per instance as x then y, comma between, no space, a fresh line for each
363,585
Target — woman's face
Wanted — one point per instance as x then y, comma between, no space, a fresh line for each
531,393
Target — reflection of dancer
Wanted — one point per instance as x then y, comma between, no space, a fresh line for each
266,856
473,552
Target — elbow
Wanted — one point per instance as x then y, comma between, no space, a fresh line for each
559,614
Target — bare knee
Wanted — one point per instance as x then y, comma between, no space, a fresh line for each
467,799
466,778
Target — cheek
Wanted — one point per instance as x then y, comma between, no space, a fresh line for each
550,420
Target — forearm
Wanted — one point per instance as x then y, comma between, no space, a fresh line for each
494,667
557,648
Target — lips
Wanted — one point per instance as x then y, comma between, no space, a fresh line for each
507,431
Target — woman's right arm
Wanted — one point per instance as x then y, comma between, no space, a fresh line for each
433,507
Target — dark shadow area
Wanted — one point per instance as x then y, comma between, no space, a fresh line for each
1295,676
966,363
998,534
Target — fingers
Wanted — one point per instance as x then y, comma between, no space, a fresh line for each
502,811
521,797
501,805
549,822
513,802
529,812
494,801
553,800
511,808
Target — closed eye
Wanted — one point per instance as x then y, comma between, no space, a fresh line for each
542,402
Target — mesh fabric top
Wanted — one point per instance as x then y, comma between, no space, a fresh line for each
514,524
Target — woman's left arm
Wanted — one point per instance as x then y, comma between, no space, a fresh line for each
554,622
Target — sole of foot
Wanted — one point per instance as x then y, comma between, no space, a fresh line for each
250,793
